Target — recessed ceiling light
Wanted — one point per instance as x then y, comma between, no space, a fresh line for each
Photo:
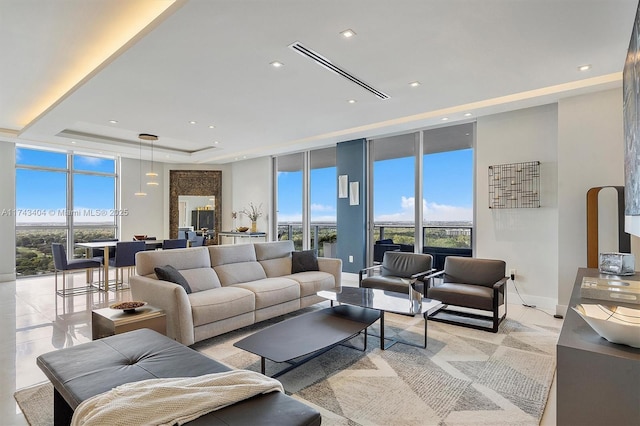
216,142
468,114
193,122
73,142
113,121
585,67
348,33
467,134
352,101
276,64
414,84
212,126
445,118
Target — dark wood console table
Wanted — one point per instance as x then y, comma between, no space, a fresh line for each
598,381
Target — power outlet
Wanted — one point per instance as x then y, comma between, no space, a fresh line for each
512,274
350,259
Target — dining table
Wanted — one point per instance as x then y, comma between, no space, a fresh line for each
105,245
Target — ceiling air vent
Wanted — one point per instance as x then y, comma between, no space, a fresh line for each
324,62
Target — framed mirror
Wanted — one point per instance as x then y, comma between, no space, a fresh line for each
192,191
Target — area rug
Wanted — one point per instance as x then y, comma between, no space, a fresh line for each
464,377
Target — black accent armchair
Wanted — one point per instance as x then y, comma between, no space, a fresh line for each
398,271
479,284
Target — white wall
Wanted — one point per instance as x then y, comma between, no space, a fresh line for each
526,239
590,154
145,215
7,205
251,183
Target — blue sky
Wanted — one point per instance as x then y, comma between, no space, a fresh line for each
448,190
41,195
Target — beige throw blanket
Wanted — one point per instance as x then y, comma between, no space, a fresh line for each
171,401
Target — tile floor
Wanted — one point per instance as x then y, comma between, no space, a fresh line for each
35,321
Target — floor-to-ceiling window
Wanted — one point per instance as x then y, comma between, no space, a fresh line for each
61,197
448,187
394,189
323,201
289,198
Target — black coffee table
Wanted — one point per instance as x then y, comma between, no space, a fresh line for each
385,301
308,335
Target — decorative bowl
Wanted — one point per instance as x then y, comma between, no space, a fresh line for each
243,228
128,306
617,324
140,237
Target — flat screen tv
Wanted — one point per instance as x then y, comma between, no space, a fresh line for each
631,105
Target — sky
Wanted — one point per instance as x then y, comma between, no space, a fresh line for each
41,196
447,187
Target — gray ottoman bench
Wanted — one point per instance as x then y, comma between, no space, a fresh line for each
82,371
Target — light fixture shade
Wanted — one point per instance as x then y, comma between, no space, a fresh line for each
151,174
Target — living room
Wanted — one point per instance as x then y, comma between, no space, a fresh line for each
574,129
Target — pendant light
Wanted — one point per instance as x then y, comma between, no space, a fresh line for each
140,193
151,174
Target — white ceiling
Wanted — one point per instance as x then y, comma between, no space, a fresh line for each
70,66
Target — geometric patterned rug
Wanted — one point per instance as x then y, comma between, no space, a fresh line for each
463,377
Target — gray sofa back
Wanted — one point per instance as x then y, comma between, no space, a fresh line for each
275,257
235,263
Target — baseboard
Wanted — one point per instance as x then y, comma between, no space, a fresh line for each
539,301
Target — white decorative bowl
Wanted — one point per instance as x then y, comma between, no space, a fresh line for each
617,324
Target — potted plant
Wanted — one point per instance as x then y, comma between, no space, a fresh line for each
253,213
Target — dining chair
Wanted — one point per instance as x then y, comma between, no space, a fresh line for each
174,244
62,264
125,258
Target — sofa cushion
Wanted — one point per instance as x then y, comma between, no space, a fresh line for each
233,253
312,282
200,279
189,258
277,267
273,249
220,303
468,295
239,273
303,261
272,291
171,274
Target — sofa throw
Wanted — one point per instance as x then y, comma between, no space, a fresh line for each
171,401
171,274
303,261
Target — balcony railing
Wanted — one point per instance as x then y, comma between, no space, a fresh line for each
459,238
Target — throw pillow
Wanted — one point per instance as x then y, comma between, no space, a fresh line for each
302,261
171,274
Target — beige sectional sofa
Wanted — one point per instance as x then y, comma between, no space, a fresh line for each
232,286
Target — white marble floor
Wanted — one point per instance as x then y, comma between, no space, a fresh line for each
35,321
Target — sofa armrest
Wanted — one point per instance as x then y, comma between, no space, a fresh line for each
170,297
332,266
